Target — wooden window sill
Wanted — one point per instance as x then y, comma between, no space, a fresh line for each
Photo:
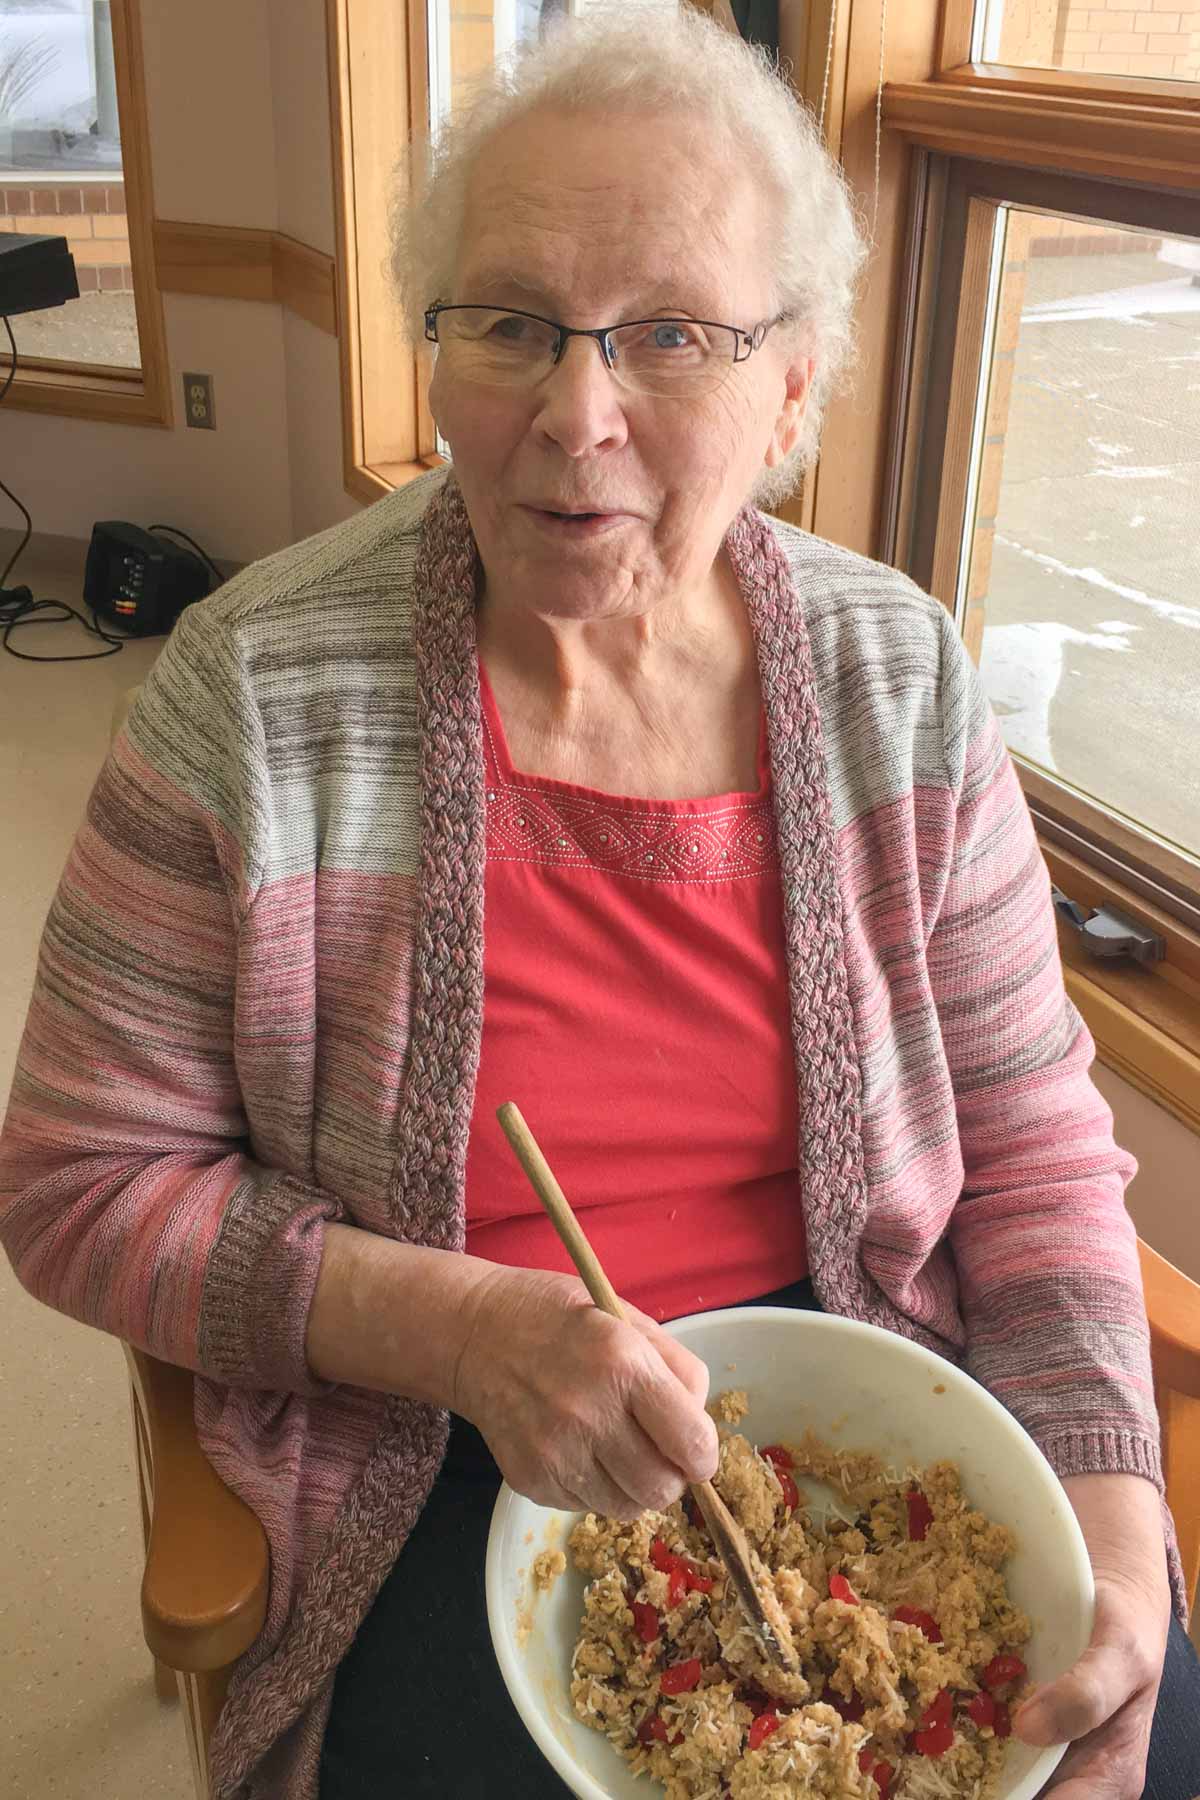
117,396
1145,1019
1120,138
1159,1056
377,479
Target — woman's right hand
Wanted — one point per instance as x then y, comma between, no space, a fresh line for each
580,1410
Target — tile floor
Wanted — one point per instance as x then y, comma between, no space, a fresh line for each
79,1719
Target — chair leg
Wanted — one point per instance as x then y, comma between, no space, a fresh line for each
165,1684
203,1698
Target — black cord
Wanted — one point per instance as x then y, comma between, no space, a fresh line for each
203,554
18,606
23,612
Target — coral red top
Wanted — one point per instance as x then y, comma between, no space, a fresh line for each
636,1009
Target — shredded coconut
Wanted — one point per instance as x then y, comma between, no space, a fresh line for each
856,1659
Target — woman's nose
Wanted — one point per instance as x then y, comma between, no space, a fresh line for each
582,404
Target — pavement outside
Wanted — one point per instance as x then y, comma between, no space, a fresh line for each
1091,652
95,328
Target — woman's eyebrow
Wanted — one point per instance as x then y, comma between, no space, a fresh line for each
659,297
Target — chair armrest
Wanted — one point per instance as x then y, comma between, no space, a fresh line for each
1173,1306
204,1591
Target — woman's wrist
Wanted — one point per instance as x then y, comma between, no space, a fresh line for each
391,1317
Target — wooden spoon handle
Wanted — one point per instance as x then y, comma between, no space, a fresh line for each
726,1533
541,1178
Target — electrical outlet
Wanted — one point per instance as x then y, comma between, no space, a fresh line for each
198,402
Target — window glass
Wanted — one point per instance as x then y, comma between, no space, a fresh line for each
1083,551
60,173
1104,37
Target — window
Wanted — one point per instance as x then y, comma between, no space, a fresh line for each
1076,557
398,69
1110,37
60,162
465,37
70,96
1042,476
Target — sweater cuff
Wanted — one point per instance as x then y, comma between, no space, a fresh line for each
259,1286
1104,1453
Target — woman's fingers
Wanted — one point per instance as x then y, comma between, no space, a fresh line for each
635,1463
1108,1764
1117,1666
683,1363
692,1434
674,1419
1079,1701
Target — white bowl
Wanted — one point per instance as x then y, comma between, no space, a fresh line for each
855,1386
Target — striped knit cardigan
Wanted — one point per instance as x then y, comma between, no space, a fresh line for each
258,1004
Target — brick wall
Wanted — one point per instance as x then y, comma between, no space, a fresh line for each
1105,37
91,216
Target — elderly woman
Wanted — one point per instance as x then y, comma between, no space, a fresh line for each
769,957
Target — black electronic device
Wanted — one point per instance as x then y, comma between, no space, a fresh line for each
140,581
35,272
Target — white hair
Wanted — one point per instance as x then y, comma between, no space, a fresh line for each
638,59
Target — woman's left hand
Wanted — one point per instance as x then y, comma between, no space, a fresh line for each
1104,1705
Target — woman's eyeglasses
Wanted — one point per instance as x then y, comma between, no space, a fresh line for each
496,347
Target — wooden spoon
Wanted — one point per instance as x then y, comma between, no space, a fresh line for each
759,1604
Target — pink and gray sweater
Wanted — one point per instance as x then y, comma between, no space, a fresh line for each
258,1007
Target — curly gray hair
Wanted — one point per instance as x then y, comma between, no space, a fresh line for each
630,59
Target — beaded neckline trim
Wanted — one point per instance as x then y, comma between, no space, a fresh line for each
553,823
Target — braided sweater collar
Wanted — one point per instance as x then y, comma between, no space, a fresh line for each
427,1197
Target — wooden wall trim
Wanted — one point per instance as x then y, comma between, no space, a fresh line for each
229,262
305,282
1122,140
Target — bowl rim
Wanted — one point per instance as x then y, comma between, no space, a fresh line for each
517,1682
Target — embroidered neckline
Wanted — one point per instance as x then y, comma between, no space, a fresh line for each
535,819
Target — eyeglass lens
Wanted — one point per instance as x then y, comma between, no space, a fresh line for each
659,356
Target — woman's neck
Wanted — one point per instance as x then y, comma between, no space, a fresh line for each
664,705
557,655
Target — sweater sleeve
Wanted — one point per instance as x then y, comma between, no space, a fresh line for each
130,1197
1051,1289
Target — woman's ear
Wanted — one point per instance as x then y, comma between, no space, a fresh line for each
791,414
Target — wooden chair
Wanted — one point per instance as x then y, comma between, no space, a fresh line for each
204,1591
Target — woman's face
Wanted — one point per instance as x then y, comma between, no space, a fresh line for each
591,222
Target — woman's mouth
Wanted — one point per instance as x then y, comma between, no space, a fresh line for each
584,524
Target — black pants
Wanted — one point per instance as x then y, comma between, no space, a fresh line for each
420,1706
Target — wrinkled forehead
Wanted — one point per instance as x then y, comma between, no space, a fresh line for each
568,214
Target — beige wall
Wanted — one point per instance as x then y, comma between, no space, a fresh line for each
238,110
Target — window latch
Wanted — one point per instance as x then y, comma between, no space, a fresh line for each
1108,932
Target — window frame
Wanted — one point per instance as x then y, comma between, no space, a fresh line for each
377,99
1145,1019
935,104
92,390
942,497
